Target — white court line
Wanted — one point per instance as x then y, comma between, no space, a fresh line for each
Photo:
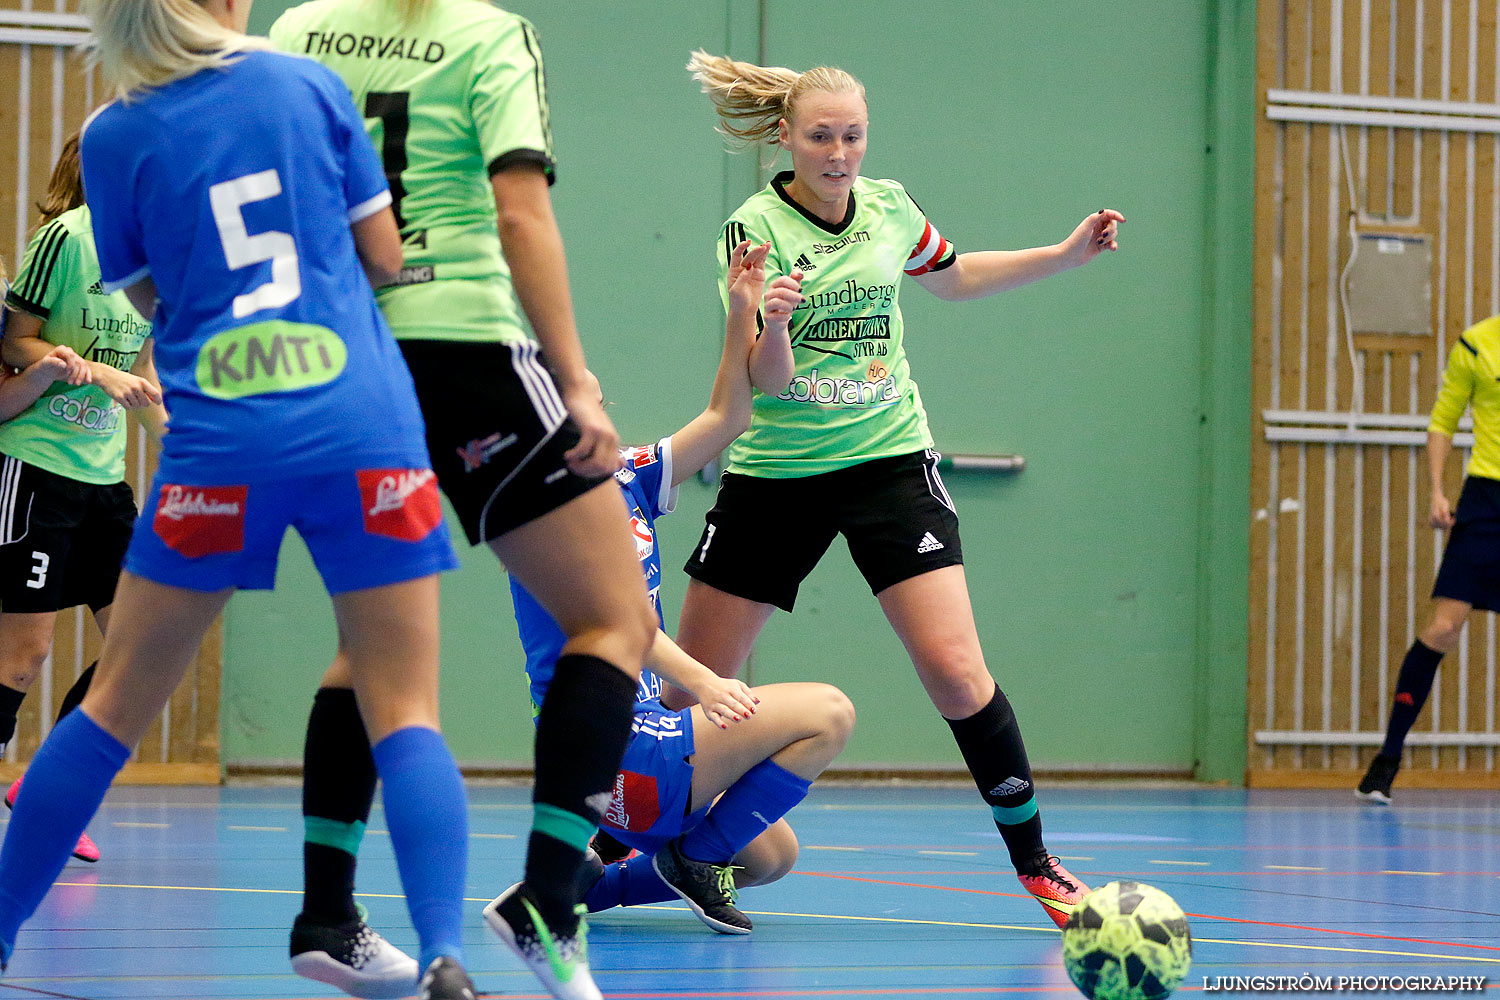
256,829
1294,868
1201,864
953,854
146,826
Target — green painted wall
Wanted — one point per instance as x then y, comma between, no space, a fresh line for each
1109,577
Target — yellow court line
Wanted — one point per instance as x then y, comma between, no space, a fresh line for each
844,916
1410,873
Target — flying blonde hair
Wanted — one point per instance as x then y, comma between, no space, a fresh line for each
141,44
751,100
65,187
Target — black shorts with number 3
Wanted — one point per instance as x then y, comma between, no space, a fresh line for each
61,541
764,535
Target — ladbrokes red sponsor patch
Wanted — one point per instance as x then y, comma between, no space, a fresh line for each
197,521
634,805
400,503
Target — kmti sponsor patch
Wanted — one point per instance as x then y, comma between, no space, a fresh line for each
275,356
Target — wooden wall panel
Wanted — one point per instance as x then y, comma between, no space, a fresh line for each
1343,557
49,94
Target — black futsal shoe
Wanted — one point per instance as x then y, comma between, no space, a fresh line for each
1375,786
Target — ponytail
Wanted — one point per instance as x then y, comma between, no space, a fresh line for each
752,100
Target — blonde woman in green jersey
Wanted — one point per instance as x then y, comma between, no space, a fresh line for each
65,511
454,99
838,426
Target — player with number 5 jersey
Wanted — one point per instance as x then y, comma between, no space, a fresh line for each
237,202
454,98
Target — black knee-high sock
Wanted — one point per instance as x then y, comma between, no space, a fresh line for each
1413,685
581,735
990,741
338,786
10,705
75,694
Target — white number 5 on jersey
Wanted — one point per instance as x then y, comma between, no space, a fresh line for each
242,250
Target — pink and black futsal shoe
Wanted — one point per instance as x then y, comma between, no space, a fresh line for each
85,850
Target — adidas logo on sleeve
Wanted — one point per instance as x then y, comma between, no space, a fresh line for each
928,544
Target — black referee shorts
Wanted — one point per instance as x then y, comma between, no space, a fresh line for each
1470,570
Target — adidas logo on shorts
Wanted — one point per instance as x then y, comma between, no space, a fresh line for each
928,544
804,264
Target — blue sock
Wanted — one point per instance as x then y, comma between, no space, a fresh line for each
427,813
64,786
632,882
764,794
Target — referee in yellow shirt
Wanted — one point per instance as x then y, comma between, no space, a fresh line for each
1469,576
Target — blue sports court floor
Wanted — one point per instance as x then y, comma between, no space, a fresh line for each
901,892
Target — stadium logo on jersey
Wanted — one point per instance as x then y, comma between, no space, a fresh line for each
645,538
400,503
863,236
479,451
803,263
635,804
197,521
82,413
275,356
811,388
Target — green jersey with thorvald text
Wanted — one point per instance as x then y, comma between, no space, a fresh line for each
73,431
448,99
852,398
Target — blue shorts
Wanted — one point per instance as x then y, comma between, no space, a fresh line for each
654,788
364,528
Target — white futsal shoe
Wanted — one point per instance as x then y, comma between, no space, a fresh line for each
352,957
560,960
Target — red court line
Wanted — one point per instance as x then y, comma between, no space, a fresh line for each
1199,916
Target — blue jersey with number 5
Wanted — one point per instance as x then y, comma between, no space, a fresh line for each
234,191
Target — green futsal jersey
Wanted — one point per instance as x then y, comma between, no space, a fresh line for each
73,431
449,99
852,398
